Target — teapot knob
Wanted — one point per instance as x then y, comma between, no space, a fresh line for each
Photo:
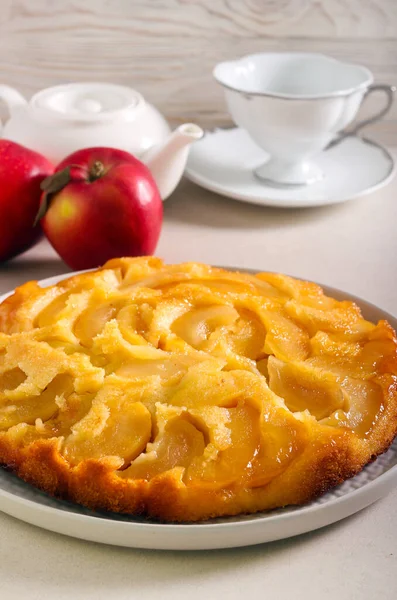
89,105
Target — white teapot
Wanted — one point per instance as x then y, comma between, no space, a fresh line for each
60,120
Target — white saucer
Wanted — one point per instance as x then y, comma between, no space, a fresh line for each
223,162
25,502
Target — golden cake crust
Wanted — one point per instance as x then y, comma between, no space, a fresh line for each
187,392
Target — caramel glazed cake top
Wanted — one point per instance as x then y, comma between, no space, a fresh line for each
186,392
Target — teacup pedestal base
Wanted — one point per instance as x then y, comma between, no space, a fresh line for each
276,171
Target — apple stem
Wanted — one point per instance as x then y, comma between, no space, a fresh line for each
97,170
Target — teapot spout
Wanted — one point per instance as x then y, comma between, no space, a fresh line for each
167,161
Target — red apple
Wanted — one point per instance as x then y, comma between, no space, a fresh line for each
101,203
21,172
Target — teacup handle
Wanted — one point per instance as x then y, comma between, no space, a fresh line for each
376,87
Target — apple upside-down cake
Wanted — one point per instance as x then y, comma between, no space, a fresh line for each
186,392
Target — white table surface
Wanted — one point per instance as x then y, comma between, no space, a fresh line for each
351,246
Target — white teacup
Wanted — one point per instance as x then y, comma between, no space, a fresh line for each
294,105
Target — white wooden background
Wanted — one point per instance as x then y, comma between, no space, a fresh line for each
167,48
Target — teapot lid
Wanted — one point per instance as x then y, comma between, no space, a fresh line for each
86,101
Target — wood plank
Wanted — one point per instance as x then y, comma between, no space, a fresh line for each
167,48
211,18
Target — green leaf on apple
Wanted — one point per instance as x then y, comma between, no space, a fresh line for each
50,186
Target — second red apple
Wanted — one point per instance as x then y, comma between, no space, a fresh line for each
101,203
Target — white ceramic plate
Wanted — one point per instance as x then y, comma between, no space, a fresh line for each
25,502
224,160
